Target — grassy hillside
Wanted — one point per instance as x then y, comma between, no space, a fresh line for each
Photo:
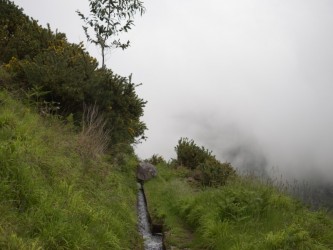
65,183
53,195
243,214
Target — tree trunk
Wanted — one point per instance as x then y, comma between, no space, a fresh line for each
103,57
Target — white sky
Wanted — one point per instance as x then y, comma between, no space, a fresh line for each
251,77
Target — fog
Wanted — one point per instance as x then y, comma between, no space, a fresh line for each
249,80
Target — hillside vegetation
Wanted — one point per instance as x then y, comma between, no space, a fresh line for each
54,197
62,78
203,204
67,166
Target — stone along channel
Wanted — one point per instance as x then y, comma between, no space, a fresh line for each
151,242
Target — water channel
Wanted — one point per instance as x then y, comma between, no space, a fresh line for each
151,242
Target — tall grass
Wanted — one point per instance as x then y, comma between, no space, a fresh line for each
53,198
243,214
94,137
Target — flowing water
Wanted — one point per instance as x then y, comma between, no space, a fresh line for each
151,242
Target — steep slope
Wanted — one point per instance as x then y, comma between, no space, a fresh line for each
52,195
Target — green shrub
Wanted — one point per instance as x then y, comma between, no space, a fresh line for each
191,155
63,70
205,167
20,36
61,77
214,173
156,159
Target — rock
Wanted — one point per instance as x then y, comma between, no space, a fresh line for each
145,171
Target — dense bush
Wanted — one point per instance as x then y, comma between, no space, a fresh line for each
214,173
64,70
206,168
50,71
191,155
20,36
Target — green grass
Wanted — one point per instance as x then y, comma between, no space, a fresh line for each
53,197
244,214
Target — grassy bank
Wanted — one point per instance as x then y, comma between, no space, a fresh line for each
53,195
243,214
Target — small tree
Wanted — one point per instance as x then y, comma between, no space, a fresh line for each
109,18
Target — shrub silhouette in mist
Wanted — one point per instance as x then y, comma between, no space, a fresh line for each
206,168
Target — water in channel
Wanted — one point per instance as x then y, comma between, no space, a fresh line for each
151,242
